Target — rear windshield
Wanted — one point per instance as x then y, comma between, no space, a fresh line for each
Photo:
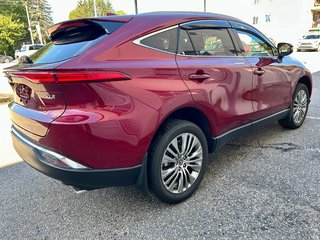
72,41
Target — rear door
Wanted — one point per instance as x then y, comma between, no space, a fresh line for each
220,81
272,87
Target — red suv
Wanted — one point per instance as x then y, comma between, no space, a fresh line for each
142,100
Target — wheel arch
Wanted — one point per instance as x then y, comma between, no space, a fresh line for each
193,115
306,80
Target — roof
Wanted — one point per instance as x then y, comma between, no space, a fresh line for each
174,15
183,14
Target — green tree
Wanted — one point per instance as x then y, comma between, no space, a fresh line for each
85,8
120,12
11,31
15,10
40,13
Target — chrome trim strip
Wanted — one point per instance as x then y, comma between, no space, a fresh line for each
252,123
138,40
67,161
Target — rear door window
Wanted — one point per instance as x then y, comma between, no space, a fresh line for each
185,45
206,42
74,39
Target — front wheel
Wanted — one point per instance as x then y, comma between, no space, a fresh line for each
178,160
299,108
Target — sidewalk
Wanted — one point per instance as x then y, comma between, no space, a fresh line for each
5,88
8,155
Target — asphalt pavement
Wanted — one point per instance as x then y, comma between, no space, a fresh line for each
261,186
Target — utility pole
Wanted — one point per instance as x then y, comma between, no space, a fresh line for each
39,32
30,30
95,8
136,5
205,5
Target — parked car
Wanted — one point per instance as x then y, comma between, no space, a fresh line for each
5,59
27,50
309,42
142,100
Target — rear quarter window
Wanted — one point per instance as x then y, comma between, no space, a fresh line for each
166,40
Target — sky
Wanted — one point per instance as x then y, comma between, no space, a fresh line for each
62,8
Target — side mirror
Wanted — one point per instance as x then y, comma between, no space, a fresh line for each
284,49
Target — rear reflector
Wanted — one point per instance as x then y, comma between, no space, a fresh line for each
64,77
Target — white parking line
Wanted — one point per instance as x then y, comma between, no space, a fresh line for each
316,118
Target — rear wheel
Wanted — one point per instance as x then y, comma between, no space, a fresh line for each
6,60
299,108
178,160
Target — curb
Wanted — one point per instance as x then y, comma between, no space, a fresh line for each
5,98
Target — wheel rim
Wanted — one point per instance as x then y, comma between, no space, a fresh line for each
181,163
300,106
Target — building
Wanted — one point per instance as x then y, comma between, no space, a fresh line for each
283,20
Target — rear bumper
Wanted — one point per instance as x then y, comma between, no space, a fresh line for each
82,178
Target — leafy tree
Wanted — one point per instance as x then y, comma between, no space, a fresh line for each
11,31
16,9
120,12
40,12
85,8
13,12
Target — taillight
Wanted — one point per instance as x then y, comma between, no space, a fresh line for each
65,77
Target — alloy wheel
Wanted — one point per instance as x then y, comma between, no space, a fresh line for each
300,106
181,163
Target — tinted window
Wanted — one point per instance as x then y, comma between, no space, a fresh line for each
251,45
38,47
69,42
54,53
165,41
185,46
312,37
216,42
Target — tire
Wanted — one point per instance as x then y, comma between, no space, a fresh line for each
6,60
173,176
299,108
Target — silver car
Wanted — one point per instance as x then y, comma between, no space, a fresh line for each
310,41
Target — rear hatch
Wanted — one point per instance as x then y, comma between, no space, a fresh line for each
37,86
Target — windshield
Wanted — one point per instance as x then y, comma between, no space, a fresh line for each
312,37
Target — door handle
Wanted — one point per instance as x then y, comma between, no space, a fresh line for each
199,77
259,72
